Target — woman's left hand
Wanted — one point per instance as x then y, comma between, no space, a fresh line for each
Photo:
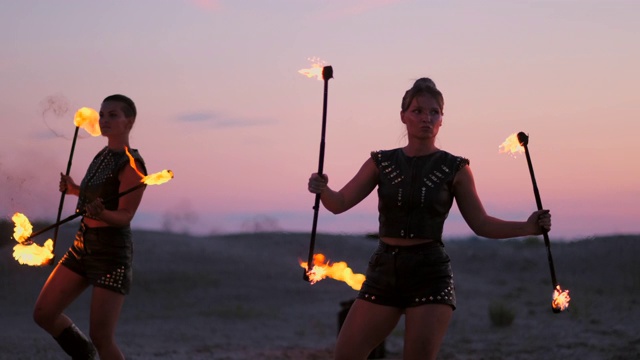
95,208
540,221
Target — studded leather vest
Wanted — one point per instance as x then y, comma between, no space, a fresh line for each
101,179
415,194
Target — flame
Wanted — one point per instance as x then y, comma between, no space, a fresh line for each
511,146
158,178
315,70
152,179
132,162
322,268
25,252
87,118
22,228
560,299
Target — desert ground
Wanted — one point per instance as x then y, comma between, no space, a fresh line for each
243,296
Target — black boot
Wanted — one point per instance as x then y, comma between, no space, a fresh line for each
74,343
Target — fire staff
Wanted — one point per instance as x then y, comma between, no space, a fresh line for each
410,273
102,253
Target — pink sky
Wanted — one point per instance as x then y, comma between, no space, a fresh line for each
222,105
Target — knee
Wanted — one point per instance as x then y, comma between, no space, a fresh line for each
43,317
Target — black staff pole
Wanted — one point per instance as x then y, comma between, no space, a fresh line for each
524,141
327,73
62,195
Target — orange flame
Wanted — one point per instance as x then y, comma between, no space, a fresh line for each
158,178
322,268
560,299
87,118
132,162
511,146
315,70
153,179
26,252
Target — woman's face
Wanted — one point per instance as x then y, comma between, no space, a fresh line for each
423,118
113,122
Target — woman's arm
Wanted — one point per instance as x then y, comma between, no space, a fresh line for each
68,186
488,226
351,194
127,204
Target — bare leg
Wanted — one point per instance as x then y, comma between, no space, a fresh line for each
61,288
365,327
105,311
425,327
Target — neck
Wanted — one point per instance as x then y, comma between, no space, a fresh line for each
420,148
118,144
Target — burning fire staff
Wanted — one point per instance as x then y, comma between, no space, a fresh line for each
102,253
410,273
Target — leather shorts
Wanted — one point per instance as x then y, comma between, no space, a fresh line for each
406,276
104,256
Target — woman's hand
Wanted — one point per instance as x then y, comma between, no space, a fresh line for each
94,209
68,185
540,221
318,183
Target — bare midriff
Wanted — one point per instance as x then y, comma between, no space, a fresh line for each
93,223
404,242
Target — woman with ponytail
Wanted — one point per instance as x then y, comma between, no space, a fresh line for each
410,273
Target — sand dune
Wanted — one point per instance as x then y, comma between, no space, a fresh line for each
242,297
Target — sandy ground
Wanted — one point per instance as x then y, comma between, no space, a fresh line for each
243,297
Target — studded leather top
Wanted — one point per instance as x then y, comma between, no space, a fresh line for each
101,179
415,193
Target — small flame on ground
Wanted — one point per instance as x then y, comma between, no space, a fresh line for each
88,119
322,268
25,252
315,70
560,299
511,146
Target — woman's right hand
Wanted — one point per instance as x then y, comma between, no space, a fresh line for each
68,185
318,183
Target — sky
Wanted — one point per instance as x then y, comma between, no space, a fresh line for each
221,104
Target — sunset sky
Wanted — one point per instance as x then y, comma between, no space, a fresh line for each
221,103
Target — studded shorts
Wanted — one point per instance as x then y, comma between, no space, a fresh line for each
407,276
103,256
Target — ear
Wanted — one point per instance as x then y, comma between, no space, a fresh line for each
402,117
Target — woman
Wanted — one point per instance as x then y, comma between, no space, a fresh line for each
410,273
102,253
